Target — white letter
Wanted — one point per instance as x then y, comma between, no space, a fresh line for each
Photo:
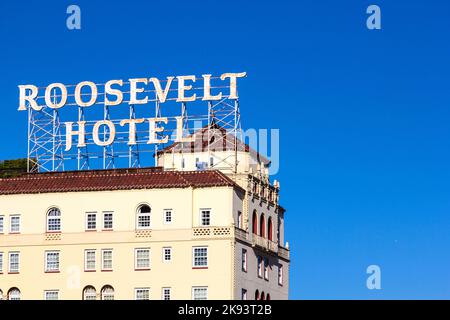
30,98
79,100
374,21
48,99
134,90
180,137
233,84
70,133
112,132
182,87
154,129
207,89
132,131
114,92
73,21
162,96
374,281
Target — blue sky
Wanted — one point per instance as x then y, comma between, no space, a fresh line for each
363,115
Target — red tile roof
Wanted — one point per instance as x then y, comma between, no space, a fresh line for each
116,179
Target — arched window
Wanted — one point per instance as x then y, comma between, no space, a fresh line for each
268,297
255,222
107,293
53,220
89,293
257,294
14,294
263,297
262,226
270,229
143,217
1,294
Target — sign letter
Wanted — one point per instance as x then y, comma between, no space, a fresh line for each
154,129
48,98
233,82
78,94
30,98
134,91
70,133
182,88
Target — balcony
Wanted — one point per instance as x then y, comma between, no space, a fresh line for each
284,253
264,243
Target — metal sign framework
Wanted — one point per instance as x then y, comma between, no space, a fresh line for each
46,139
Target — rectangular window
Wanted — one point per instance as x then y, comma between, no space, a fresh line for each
167,216
142,293
91,221
211,162
167,254
280,275
199,293
244,294
142,259
260,267
14,262
239,220
107,259
200,257
166,293
182,163
107,220
52,261
143,220
89,260
1,262
266,268
205,217
244,260
51,295
2,223
14,224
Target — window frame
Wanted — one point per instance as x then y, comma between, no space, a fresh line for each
201,288
103,259
244,258
48,218
51,291
194,266
244,293
204,210
164,254
166,211
266,269
142,288
104,213
10,253
136,267
2,258
86,227
163,293
2,224
139,214
280,275
46,261
103,292
259,263
92,294
86,269
11,223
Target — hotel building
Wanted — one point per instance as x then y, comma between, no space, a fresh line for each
189,228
